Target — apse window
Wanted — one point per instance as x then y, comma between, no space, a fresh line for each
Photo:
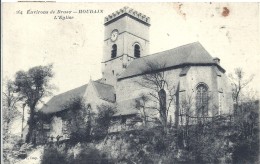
202,100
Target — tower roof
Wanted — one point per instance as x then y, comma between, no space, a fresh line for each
129,12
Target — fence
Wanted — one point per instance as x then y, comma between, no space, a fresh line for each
193,120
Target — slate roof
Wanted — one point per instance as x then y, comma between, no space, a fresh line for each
55,103
190,54
105,92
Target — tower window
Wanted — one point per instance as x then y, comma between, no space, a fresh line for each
114,51
202,100
137,51
113,72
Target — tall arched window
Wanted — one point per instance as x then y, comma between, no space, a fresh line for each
162,99
202,100
114,51
137,51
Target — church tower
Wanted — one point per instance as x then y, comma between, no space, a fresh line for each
126,38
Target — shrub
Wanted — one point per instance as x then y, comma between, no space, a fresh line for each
246,152
88,156
52,155
160,146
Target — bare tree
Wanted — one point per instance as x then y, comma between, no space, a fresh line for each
239,83
141,105
154,79
9,110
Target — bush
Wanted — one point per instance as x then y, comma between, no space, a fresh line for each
91,155
88,156
160,146
52,155
246,152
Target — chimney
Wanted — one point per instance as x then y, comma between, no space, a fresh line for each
217,60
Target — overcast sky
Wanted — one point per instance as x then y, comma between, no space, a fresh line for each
229,31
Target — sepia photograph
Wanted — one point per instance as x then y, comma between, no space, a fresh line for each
130,83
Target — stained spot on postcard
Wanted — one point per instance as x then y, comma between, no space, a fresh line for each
225,12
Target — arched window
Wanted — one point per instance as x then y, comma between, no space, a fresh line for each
202,100
114,51
137,51
162,99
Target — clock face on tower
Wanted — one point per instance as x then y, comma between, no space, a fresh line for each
114,35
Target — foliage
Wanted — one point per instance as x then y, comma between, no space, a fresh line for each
147,145
33,85
103,121
87,153
90,154
52,155
77,114
246,120
11,148
206,143
246,133
246,151
9,110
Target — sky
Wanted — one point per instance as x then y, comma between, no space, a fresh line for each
229,31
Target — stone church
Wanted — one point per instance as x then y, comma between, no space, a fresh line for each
187,80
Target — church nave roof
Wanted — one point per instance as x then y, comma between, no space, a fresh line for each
190,54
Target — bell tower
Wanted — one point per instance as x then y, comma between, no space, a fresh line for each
126,39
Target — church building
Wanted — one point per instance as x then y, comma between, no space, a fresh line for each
185,81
